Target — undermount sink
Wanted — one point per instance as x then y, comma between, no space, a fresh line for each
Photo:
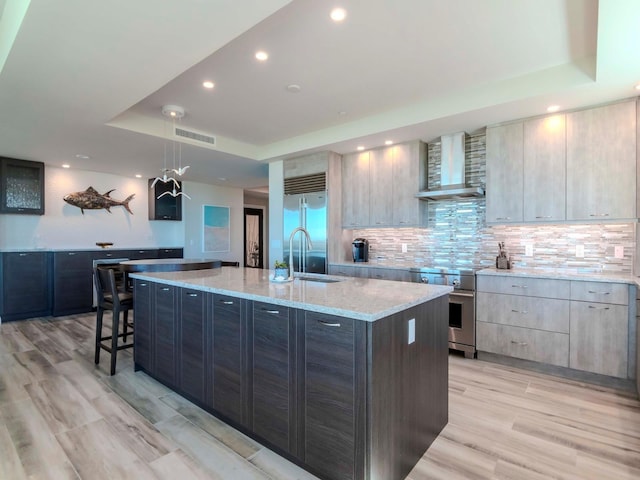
318,279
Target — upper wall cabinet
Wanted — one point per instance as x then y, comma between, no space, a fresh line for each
163,205
544,169
505,173
379,186
21,186
601,163
355,190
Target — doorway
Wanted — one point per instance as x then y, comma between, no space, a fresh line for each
253,238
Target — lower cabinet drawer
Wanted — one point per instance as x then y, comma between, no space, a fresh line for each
549,314
525,343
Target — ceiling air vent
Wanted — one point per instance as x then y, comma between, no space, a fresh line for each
307,184
198,137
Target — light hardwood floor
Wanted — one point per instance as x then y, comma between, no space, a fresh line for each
61,417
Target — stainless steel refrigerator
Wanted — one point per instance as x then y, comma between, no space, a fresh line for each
308,210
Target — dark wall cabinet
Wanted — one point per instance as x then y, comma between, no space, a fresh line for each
162,204
21,186
25,291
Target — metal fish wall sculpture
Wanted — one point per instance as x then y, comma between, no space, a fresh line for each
91,199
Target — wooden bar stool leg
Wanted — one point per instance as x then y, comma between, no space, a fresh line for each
99,314
114,339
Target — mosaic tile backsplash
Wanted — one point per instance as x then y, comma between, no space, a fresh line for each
457,236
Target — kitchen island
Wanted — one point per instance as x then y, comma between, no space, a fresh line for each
346,377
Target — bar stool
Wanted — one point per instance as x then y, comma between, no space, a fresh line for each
110,298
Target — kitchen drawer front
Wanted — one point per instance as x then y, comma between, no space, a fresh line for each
525,343
530,312
603,292
531,287
390,274
344,270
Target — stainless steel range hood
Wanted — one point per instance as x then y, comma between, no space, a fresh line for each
452,177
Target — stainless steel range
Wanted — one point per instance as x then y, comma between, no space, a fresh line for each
462,304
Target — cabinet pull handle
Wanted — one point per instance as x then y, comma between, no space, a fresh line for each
503,218
165,289
71,253
328,324
193,294
599,215
519,286
143,284
226,302
520,344
600,293
596,308
22,254
524,312
274,312
544,216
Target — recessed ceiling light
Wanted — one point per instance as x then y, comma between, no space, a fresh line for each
360,148
638,86
208,84
342,113
66,165
553,108
388,142
262,55
338,14
222,179
293,88
82,156
138,175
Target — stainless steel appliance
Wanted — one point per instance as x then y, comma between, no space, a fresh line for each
360,247
462,304
307,210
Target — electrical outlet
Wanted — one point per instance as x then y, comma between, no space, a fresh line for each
411,337
528,250
404,248
619,251
580,251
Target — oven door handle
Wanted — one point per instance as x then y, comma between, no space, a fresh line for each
456,294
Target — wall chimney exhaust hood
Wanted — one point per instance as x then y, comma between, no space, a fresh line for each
452,177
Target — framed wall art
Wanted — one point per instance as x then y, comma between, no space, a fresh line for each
216,229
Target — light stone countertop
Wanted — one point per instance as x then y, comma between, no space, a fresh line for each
358,298
587,275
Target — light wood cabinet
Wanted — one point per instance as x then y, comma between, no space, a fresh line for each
526,343
529,286
379,186
545,169
381,169
406,182
601,163
355,190
505,173
600,328
582,325
599,338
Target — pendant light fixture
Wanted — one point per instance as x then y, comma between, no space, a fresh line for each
175,113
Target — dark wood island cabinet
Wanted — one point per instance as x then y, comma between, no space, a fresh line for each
344,398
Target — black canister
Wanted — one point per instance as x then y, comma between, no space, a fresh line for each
360,248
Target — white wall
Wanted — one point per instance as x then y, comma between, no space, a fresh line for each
202,194
64,226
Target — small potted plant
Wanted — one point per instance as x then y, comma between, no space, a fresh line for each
281,270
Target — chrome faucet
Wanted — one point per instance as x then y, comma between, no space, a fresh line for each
293,234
